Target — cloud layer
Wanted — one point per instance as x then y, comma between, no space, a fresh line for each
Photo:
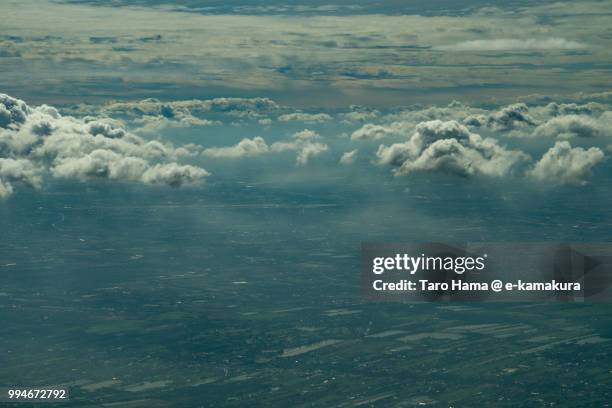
37,142
107,142
305,59
514,44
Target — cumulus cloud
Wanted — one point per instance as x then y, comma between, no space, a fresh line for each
37,143
576,98
13,112
449,147
152,115
558,109
569,126
153,124
453,111
402,123
371,131
155,107
348,157
514,44
18,171
265,121
246,147
562,164
359,116
508,118
303,143
305,117
173,174
308,151
100,163
306,134
5,189
38,140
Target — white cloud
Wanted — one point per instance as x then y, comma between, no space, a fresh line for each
371,131
510,117
562,164
246,147
305,117
402,123
306,134
173,174
154,124
172,109
567,126
38,140
360,114
13,112
394,155
450,147
308,151
5,189
19,171
513,44
310,57
302,142
348,157
557,109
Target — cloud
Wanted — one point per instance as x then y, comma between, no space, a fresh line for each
13,112
592,99
5,189
172,109
348,157
302,142
265,121
453,111
152,115
246,147
35,141
305,117
558,109
394,155
292,57
100,164
173,174
18,171
562,164
308,151
39,143
402,123
569,126
360,114
371,131
450,147
306,134
514,44
510,117
154,124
